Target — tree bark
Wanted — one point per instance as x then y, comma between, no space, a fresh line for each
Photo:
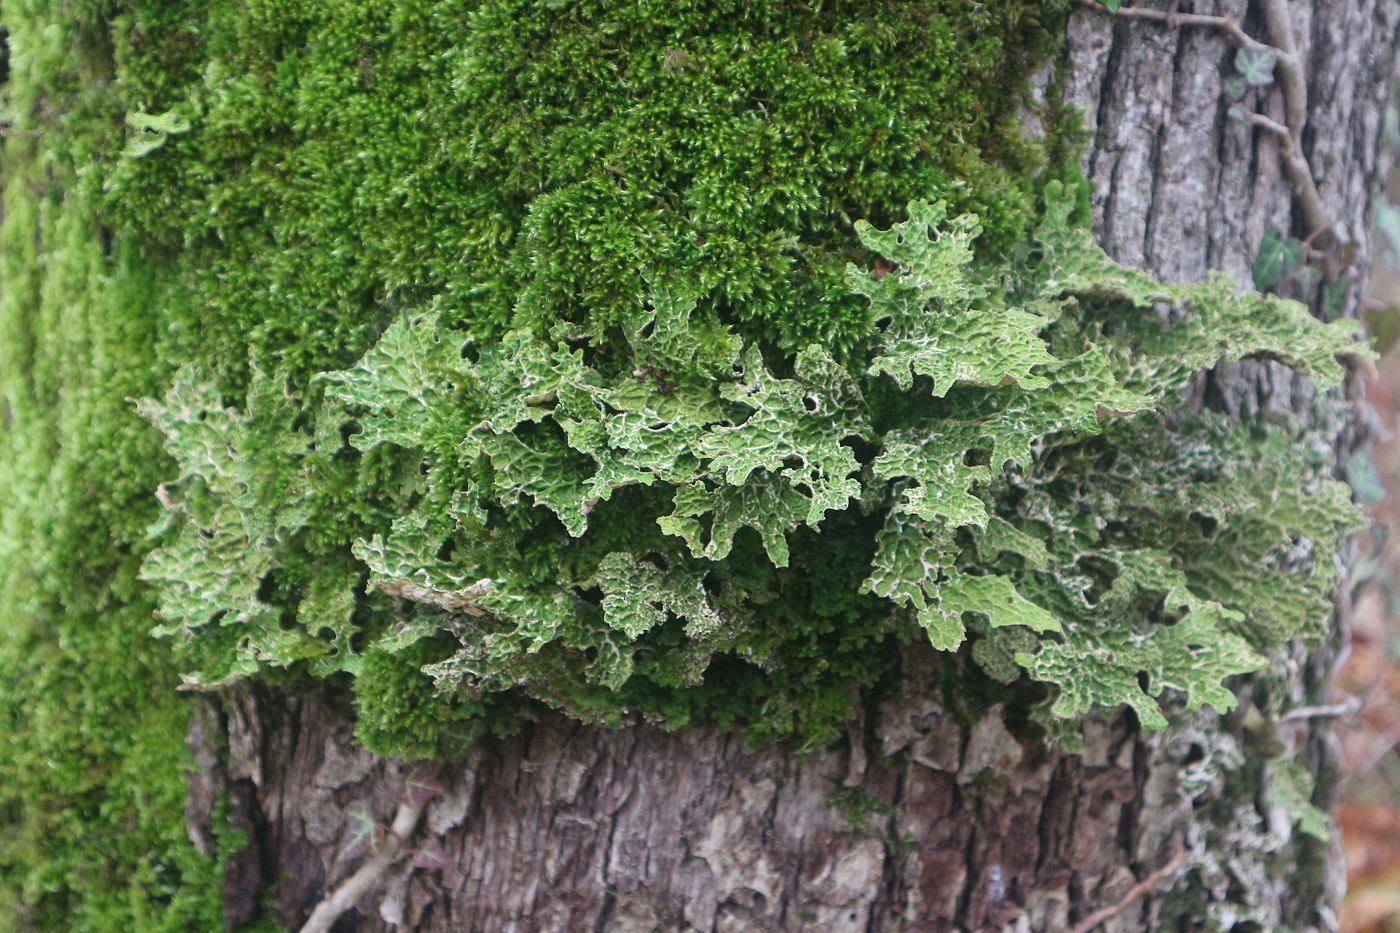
572,828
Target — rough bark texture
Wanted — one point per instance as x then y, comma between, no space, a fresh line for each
571,828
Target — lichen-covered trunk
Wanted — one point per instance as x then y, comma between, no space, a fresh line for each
917,823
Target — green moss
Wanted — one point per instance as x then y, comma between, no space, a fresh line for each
515,162
92,756
398,711
533,164
731,545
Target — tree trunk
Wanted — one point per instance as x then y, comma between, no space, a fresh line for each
568,827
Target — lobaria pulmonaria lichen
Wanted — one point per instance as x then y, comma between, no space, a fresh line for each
595,514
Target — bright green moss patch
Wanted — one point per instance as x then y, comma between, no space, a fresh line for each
531,164
399,712
92,756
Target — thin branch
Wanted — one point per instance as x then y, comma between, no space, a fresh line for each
1331,710
1308,248
1141,889
1299,173
1269,124
1289,67
1226,24
353,888
1295,111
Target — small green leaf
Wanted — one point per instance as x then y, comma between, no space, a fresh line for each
1256,66
770,507
396,386
669,335
796,429
1277,255
944,480
931,326
364,829
1334,297
168,122
1001,537
910,558
1291,790
638,595
152,129
996,598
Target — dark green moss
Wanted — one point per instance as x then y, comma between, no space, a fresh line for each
532,164
399,713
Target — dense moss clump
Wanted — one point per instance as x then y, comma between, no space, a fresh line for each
399,711
303,179
530,163
92,757
664,525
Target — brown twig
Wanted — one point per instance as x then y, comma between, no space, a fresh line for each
1295,166
340,900
1289,67
1141,889
1308,248
1269,124
1226,24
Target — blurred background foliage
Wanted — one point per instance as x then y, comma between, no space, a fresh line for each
1370,809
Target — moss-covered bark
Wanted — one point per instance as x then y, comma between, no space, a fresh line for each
253,193
91,729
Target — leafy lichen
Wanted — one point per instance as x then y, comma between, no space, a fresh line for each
1049,485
